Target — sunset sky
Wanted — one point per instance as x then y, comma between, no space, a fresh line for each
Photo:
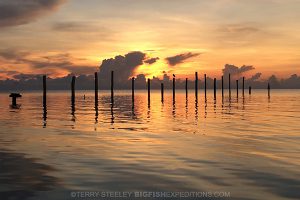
58,37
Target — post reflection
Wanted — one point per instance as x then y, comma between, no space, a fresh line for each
196,109
96,113
73,109
215,106
186,107
173,108
112,118
148,112
44,116
205,109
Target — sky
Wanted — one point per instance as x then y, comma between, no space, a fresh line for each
58,37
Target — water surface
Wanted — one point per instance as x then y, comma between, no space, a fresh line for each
247,146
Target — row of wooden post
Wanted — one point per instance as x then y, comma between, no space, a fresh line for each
149,89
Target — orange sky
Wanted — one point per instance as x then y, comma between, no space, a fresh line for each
262,33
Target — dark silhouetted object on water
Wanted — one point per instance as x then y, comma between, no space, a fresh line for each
215,88
132,90
229,86
173,87
148,84
186,87
45,100
44,91
73,90
112,86
162,91
269,88
196,84
14,97
250,90
243,87
222,87
237,88
96,89
205,85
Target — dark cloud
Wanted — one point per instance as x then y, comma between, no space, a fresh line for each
123,66
151,60
26,76
18,12
234,70
13,55
174,60
50,64
255,77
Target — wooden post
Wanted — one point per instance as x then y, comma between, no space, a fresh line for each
269,88
173,87
237,88
148,90
112,86
215,88
162,92
132,89
229,86
205,85
186,87
196,84
44,91
73,90
250,90
96,89
243,86
222,87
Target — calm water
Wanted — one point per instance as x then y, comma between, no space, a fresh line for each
249,147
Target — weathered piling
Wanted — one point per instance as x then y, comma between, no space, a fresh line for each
196,84
215,88
237,88
148,83
132,90
44,91
186,87
162,92
250,90
243,86
73,90
229,86
173,87
269,90
222,87
112,86
205,86
96,89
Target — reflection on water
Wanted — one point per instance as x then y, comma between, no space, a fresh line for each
248,146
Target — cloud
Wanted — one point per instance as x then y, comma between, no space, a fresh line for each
48,64
18,12
255,77
240,28
151,60
13,55
234,70
70,26
123,66
26,76
174,60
